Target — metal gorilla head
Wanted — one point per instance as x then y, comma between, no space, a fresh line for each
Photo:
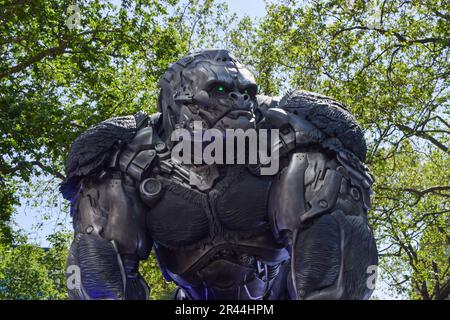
208,86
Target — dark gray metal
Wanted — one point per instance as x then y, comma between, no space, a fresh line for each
223,231
109,212
190,91
151,191
92,256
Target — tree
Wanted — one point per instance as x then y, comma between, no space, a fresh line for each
29,272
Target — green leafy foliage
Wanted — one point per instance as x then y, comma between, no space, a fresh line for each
159,287
29,272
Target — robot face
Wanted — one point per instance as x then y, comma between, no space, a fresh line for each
213,88
223,95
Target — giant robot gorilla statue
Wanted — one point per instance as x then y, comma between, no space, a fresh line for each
233,233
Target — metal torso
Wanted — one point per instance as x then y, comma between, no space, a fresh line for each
211,234
217,243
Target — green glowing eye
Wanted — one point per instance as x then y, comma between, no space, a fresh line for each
221,89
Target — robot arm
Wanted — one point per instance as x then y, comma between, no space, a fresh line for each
320,205
108,215
320,199
110,240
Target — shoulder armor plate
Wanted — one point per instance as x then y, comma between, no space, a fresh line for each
94,147
137,156
326,120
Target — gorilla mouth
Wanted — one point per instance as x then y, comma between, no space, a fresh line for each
236,119
234,114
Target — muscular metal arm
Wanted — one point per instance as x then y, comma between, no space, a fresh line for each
319,201
321,207
110,239
108,214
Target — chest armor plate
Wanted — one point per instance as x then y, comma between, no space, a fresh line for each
235,208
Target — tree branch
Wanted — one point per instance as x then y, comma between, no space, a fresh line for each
400,37
424,135
23,164
37,57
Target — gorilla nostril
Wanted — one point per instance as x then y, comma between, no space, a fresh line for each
234,96
246,97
